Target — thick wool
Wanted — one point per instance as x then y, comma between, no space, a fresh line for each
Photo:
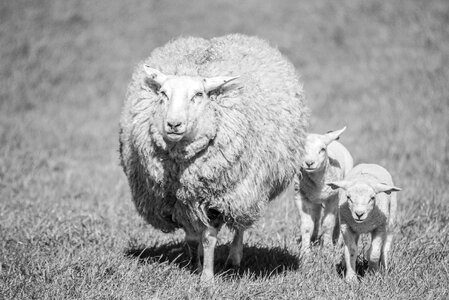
251,139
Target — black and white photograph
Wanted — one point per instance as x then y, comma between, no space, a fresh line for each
224,149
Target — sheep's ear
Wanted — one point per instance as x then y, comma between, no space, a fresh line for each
385,188
338,184
213,83
333,136
155,75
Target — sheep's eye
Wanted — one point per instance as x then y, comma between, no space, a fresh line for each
372,199
163,94
322,150
349,198
199,94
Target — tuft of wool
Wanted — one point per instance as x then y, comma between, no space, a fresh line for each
250,141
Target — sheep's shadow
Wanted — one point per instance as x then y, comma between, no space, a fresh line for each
257,261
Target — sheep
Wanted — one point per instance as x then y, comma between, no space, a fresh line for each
366,205
211,131
325,160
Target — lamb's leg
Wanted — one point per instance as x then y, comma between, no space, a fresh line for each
236,250
378,237
350,252
385,249
307,214
329,221
208,241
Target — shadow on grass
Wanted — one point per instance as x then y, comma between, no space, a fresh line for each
257,261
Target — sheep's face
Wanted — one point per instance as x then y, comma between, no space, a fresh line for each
315,157
361,196
183,99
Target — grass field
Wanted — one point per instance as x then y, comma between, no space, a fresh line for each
68,228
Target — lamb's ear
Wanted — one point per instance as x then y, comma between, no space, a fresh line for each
385,188
214,83
155,75
333,136
338,184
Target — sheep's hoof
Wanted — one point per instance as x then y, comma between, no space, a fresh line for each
352,279
231,265
207,278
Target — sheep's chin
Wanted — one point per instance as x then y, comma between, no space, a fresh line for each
173,137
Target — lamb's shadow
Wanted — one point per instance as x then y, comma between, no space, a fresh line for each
257,261
361,267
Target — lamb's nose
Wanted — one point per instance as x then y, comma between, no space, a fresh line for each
359,215
309,163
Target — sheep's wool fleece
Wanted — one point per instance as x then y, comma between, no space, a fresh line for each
251,140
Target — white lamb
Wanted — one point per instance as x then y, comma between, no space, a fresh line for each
325,160
367,206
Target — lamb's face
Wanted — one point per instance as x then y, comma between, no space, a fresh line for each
361,195
315,156
315,153
361,198
184,100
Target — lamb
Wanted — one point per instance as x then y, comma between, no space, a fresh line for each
367,206
325,160
210,132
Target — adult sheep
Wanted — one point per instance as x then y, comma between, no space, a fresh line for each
210,132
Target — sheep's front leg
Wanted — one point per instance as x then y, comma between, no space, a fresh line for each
350,238
208,241
308,213
236,250
378,237
330,221
385,249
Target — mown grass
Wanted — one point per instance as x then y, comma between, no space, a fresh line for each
67,225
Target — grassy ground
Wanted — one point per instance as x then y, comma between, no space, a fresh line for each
68,228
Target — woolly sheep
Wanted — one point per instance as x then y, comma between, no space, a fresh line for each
325,160
211,130
367,206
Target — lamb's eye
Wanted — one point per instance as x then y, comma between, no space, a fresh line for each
349,198
372,199
322,150
199,94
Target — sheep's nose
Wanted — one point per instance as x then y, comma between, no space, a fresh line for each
173,124
309,163
359,215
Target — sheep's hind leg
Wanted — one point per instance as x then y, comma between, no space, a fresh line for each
385,249
195,250
378,237
330,222
208,241
236,250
